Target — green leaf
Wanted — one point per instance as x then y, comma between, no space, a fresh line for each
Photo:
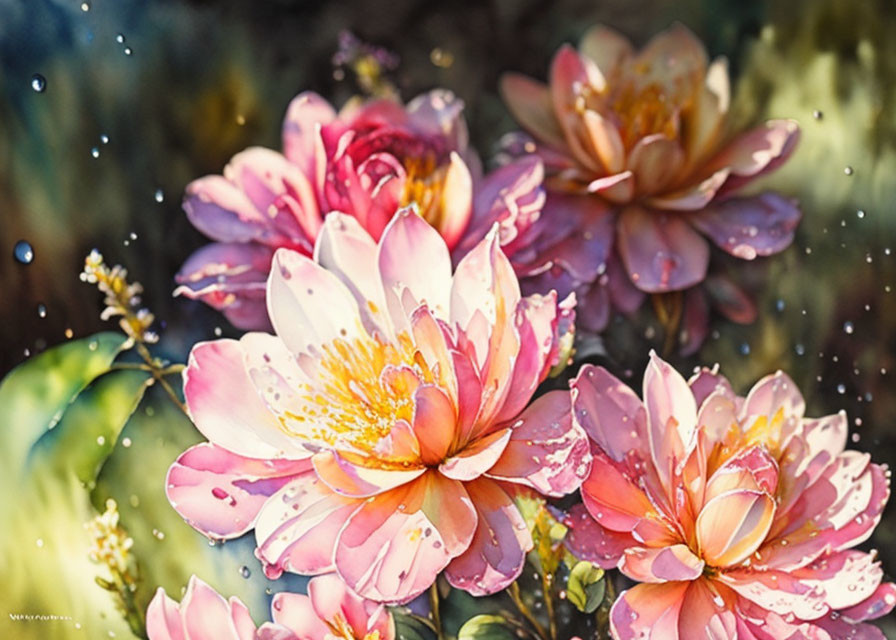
89,428
586,586
408,627
484,627
35,394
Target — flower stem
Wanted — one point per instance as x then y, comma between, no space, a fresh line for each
436,616
549,602
669,308
514,591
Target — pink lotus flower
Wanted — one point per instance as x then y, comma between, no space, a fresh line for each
642,165
407,388
738,515
368,160
328,612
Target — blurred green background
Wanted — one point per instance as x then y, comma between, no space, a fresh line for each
190,82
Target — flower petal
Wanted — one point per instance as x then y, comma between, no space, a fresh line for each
655,160
226,407
206,614
331,598
733,525
220,493
661,251
457,201
757,152
305,115
671,415
295,612
477,457
749,227
602,403
163,618
356,480
531,105
497,553
606,47
434,417
661,564
648,612
547,450
589,540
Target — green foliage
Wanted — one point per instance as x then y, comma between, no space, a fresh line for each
408,627
586,587
485,627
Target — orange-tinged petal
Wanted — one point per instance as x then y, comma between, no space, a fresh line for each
733,525
530,103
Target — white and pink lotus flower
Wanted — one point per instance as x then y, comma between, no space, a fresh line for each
388,419
329,612
738,516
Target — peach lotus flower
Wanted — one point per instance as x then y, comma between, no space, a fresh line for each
368,160
737,515
383,432
641,166
329,612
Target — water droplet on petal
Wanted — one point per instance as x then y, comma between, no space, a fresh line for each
848,170
23,252
38,83
818,114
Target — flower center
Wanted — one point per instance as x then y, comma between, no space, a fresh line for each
423,186
341,629
363,387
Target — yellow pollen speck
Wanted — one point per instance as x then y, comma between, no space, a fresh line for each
423,186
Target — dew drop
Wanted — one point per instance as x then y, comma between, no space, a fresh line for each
745,349
38,83
860,213
848,170
23,252
126,442
100,440
39,542
104,138
245,572
841,388
218,331
779,305
42,310
848,327
818,114
95,152
159,535
119,38
69,333
159,195
128,51
800,349
85,6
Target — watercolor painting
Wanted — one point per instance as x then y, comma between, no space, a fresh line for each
487,320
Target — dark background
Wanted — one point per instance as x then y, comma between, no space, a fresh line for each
172,111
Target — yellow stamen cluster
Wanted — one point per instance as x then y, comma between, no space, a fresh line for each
122,299
644,111
111,545
353,404
424,187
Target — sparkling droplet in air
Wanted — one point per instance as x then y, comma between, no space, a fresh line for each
38,83
23,252
159,195
42,310
119,38
95,152
860,213
218,331
128,51
245,572
104,138
848,327
841,388
745,349
848,170
69,333
85,6
125,442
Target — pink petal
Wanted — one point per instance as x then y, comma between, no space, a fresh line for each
617,188
531,105
730,300
708,610
750,227
438,114
413,257
406,536
707,122
305,115
589,540
606,47
693,197
220,493
547,451
648,612
295,612
206,614
457,201
331,599
357,480
661,564
163,618
706,381
772,394
477,457
347,250
434,420
309,306
497,553
606,141
694,322
877,605
757,152
656,161
671,415
297,528
225,406
602,403
661,252
674,56
733,525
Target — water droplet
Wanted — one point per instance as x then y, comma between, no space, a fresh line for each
745,349
23,252
126,442
95,152
800,349
104,138
39,542
218,331
159,195
119,38
85,6
100,440
855,437
848,170
160,535
128,51
779,305
860,213
841,388
38,83
848,327
818,114
42,310
245,572
69,333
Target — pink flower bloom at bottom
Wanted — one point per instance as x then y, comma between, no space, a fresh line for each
329,612
738,515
